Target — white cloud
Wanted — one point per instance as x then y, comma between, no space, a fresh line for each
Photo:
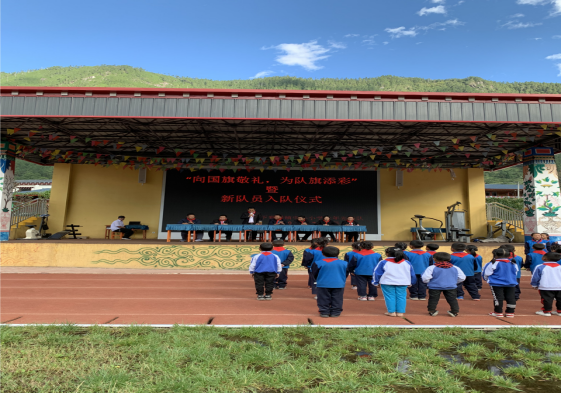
433,10
369,40
520,25
385,43
337,45
413,31
555,57
351,35
556,4
556,37
417,43
517,16
536,39
438,1
305,55
401,32
262,74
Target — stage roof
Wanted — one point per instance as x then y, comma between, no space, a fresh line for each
225,129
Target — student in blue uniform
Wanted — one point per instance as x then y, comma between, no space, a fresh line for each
536,238
420,261
501,276
309,256
355,249
443,277
546,278
265,268
519,262
431,249
472,250
330,274
467,263
286,257
534,258
362,266
394,274
546,236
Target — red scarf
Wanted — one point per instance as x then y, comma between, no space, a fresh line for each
350,223
222,222
278,221
392,259
443,264
330,260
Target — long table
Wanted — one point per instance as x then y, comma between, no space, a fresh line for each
266,230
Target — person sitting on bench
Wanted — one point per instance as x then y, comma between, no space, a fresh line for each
222,220
190,219
278,220
119,226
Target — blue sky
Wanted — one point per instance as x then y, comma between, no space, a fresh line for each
501,40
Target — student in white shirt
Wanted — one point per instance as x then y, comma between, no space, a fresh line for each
119,226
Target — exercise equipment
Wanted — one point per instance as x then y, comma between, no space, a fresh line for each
455,222
502,226
422,233
73,230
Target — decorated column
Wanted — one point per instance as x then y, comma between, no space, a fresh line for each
8,185
541,193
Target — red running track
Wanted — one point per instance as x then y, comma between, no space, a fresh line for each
220,299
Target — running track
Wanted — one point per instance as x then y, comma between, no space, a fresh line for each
219,299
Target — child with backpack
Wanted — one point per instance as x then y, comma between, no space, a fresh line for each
501,276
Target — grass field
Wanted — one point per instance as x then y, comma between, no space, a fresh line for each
206,359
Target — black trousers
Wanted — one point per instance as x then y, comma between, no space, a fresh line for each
281,281
450,297
275,235
548,298
364,283
332,235
353,280
330,301
419,289
305,237
478,280
212,234
502,294
198,234
352,236
312,282
470,284
518,289
127,233
264,280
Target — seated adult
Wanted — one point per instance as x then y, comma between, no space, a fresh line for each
327,221
301,220
190,219
222,220
278,220
119,226
351,236
251,217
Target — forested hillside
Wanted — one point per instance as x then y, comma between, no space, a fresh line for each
127,76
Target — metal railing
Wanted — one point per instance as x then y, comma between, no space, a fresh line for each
497,211
21,211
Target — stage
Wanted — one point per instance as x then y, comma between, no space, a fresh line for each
220,299
159,254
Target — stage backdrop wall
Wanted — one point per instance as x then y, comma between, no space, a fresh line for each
338,194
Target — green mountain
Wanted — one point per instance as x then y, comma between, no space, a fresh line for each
127,76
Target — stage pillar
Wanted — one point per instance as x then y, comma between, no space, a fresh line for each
60,197
541,193
8,185
476,202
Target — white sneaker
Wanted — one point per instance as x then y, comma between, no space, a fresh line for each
555,313
544,314
198,240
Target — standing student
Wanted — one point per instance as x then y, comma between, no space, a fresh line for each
191,220
546,278
308,257
534,258
119,226
536,238
355,249
326,220
351,236
467,263
286,257
472,250
394,274
251,217
222,220
443,277
362,266
555,247
301,220
501,276
519,262
330,274
548,244
420,261
431,249
265,268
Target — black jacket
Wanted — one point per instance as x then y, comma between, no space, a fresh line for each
331,222
272,221
345,222
299,223
246,216
217,221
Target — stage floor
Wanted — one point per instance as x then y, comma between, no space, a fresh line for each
221,299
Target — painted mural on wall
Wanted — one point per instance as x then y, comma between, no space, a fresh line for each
8,187
541,196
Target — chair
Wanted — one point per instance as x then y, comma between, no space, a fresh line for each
107,231
113,234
